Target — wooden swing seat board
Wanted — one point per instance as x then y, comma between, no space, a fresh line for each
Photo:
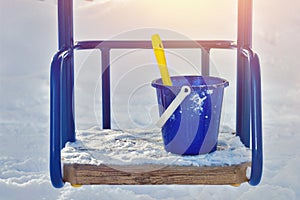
138,157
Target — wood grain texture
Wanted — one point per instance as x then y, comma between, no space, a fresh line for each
85,174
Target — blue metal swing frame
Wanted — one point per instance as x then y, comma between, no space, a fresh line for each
248,106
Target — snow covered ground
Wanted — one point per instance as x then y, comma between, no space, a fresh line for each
28,40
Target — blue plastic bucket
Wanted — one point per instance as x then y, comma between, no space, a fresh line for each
193,127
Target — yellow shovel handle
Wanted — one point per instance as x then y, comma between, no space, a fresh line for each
161,59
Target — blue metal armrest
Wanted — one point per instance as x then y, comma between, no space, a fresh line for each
256,116
56,118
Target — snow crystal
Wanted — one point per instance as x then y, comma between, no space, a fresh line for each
197,102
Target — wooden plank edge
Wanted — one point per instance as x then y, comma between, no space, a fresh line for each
85,174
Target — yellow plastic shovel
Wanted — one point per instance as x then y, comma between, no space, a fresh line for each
161,59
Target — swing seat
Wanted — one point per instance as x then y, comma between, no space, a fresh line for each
137,158
87,174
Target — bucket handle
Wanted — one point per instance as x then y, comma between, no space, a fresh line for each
184,92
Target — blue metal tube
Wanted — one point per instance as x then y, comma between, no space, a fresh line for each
65,41
243,73
56,119
256,117
146,44
65,24
205,54
256,110
106,114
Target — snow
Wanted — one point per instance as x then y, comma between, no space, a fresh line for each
28,41
197,102
137,147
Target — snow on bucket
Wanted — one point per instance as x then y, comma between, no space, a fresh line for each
194,125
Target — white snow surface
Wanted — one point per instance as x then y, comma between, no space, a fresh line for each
28,40
137,147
